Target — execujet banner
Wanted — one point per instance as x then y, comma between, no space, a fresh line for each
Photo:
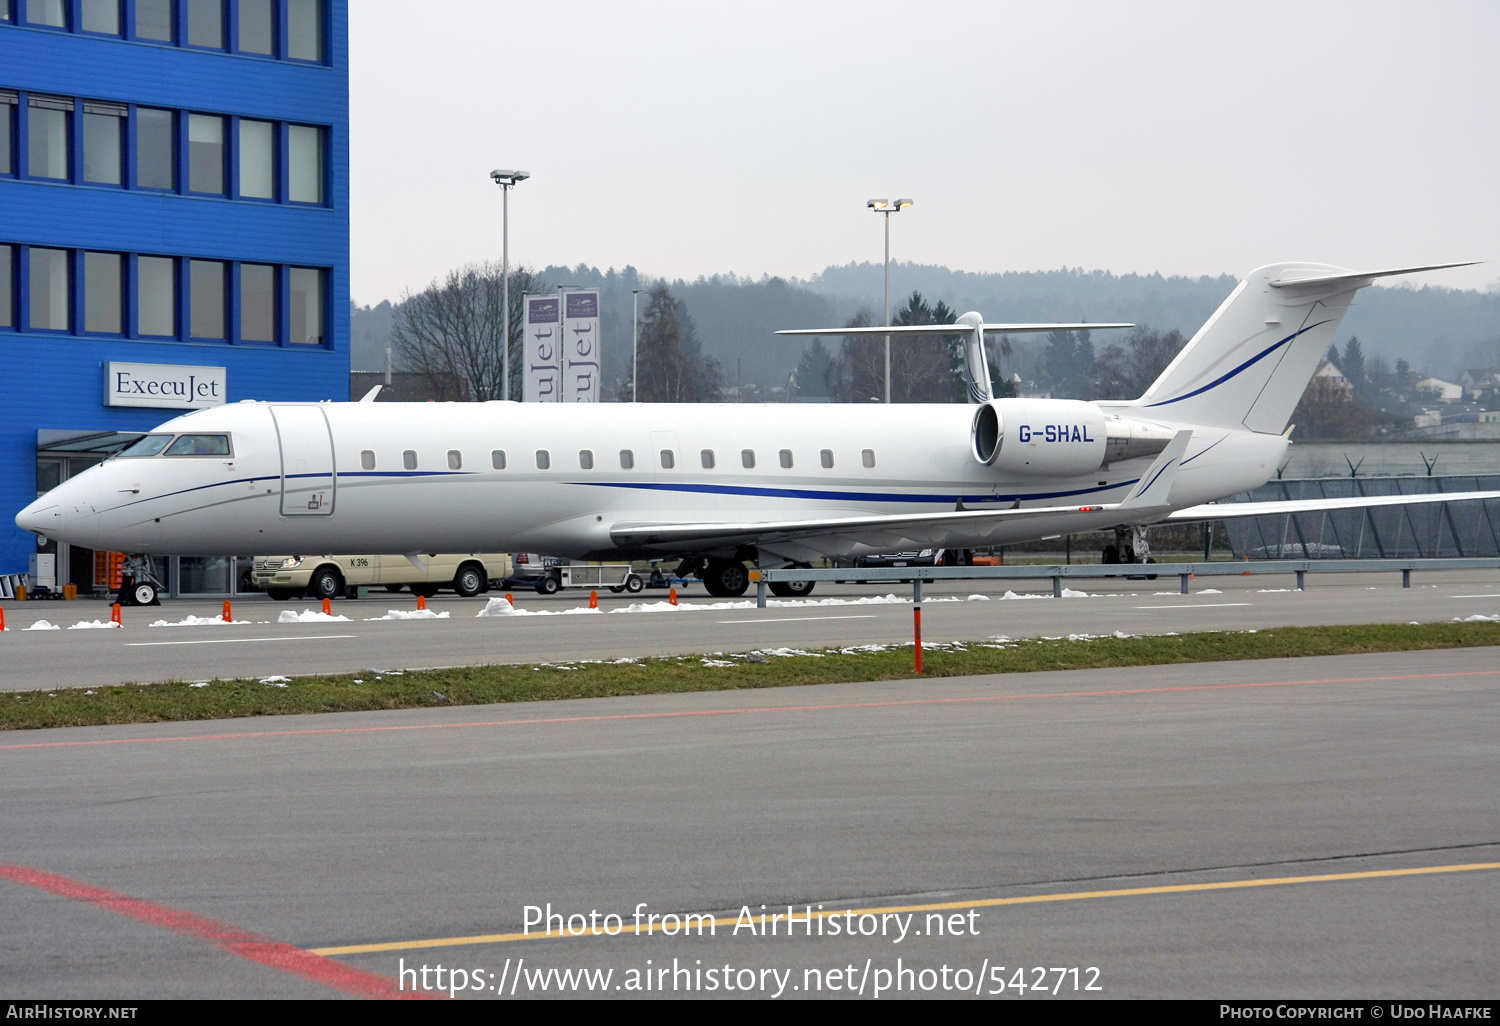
543,370
581,347
164,386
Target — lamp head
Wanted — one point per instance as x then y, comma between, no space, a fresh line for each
879,204
902,204
507,178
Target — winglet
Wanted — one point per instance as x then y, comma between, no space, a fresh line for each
1155,484
369,396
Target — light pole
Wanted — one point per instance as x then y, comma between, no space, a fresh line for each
635,338
888,208
507,180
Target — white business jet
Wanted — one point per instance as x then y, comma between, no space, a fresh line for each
721,486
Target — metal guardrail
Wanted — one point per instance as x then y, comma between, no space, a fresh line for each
1057,571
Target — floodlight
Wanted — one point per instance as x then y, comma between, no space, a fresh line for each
879,204
503,178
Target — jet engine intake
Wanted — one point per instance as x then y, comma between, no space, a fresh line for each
1053,437
1057,437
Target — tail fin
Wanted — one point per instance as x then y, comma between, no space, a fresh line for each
1251,361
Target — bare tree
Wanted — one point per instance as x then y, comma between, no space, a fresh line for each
451,331
1126,369
671,363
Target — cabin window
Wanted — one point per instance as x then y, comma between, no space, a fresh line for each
497,459
409,459
668,460
708,459
585,459
867,457
367,459
826,456
455,460
543,459
627,459
747,458
199,445
786,459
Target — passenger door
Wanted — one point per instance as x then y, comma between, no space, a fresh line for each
308,479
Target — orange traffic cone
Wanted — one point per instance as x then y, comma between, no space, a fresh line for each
114,615
511,599
593,600
672,596
228,616
421,601
328,607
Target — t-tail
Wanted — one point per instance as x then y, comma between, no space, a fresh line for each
1251,361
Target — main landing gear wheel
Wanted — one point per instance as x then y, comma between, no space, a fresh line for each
725,578
144,594
792,589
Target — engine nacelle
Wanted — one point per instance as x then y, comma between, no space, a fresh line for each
1058,437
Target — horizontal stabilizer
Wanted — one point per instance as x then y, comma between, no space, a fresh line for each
1239,510
1296,280
950,329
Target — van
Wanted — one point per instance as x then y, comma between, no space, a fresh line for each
320,577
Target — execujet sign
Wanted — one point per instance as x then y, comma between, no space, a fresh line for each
562,348
164,386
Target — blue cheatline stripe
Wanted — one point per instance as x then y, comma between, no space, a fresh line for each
289,477
1154,477
1253,360
1192,458
829,496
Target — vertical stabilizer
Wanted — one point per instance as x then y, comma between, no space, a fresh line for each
1251,361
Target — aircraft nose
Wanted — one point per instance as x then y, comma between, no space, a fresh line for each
41,516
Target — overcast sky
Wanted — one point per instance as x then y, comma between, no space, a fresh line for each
705,137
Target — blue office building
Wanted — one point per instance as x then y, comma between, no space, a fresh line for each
174,231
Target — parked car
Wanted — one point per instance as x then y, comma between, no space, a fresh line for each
319,577
925,557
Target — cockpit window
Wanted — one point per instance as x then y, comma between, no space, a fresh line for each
199,445
150,445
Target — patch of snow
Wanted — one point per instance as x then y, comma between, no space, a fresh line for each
93,625
276,681
41,625
410,614
309,616
198,621
1210,591
787,653
978,598
1478,618
199,684
719,662
500,607
1274,591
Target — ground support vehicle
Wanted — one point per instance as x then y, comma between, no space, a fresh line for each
320,577
617,577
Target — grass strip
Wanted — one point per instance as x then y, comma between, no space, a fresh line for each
484,685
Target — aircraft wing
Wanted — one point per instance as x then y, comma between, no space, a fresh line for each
1238,510
950,329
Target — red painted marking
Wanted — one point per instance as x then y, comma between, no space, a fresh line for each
252,946
538,721
917,613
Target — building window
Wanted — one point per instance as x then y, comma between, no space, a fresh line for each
103,143
747,459
304,30
257,159
543,459
257,27
206,298
51,13
455,460
668,459
707,456
102,16
156,296
497,459
867,457
47,137
409,459
257,303
627,459
206,154
156,148
585,459
307,306
49,289
7,131
4,10
826,458
103,293
305,164
786,459
206,23
153,20
7,287
367,459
